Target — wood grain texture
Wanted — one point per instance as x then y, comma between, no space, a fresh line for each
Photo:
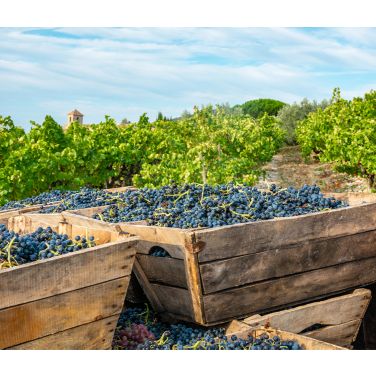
147,288
288,290
6,214
61,274
238,271
171,239
175,301
168,271
82,217
342,334
29,222
247,238
29,321
194,284
333,311
96,335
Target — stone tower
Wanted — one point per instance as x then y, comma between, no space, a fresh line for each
75,115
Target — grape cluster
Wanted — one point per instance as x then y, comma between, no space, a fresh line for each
44,243
159,252
195,206
66,200
223,342
131,337
142,330
85,198
42,199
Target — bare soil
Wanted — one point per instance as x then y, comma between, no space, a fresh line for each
287,168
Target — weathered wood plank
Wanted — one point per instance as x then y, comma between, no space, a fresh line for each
26,322
29,222
60,274
194,284
333,311
246,238
147,288
236,326
165,270
242,270
342,334
82,217
265,295
171,239
175,300
121,189
6,214
96,335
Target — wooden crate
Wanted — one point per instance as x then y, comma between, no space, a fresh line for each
6,214
337,319
218,274
306,342
71,301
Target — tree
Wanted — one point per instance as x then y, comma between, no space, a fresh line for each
258,107
290,115
125,121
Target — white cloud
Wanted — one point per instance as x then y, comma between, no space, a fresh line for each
125,72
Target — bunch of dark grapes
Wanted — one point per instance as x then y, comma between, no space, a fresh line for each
131,337
42,199
197,206
44,243
222,342
142,330
159,252
85,198
66,200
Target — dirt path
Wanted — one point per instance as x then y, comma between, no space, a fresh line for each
288,168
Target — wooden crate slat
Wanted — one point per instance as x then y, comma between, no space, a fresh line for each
246,238
287,290
342,334
333,311
194,287
68,272
173,240
85,219
92,336
170,271
29,321
6,214
281,262
147,288
175,300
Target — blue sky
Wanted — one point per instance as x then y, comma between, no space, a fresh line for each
124,72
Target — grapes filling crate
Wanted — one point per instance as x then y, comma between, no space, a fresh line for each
70,301
306,343
217,274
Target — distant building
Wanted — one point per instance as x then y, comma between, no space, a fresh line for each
75,115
